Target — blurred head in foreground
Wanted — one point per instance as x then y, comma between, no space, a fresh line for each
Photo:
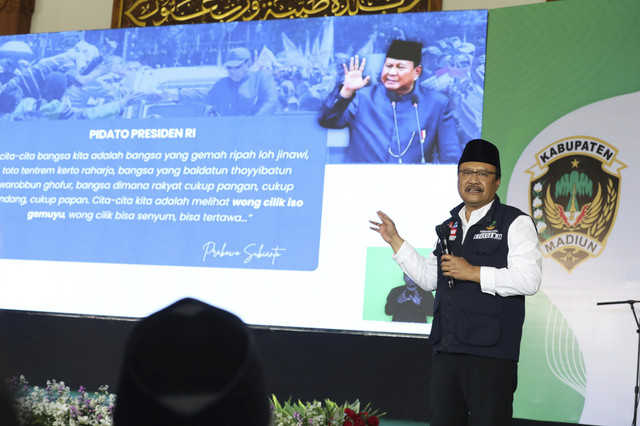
191,364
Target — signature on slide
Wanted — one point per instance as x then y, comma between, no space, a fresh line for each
250,252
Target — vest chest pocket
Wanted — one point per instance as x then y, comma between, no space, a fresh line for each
479,322
485,246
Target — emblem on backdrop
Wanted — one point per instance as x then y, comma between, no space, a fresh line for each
574,196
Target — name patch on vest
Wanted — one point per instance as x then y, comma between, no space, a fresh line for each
494,235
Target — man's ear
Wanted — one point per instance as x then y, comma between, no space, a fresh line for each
417,71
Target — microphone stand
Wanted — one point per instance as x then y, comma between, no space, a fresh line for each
637,385
395,121
414,102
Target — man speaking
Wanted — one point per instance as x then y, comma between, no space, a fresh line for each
488,260
394,121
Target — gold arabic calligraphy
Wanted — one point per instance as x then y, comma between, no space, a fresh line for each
143,13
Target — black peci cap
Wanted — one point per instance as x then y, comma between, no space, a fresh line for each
191,364
482,151
406,50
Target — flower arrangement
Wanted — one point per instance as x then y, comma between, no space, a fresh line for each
316,414
57,405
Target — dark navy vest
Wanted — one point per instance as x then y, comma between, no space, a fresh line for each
466,320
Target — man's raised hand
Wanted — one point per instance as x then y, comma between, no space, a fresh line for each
353,79
387,230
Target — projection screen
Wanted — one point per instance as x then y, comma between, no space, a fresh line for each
128,182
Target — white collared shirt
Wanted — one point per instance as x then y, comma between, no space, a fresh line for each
522,275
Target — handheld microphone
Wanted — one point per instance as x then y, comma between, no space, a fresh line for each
414,102
443,232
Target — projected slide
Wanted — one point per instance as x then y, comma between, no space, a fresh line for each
187,196
147,164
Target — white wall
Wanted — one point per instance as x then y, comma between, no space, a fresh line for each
69,15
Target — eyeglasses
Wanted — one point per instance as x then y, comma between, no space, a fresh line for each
482,174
